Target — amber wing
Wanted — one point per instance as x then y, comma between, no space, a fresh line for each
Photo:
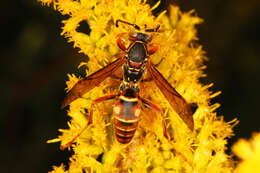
93,80
177,102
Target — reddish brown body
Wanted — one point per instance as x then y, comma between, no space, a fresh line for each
135,61
126,116
124,131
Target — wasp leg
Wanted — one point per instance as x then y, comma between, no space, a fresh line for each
120,43
152,29
149,104
153,49
156,65
90,118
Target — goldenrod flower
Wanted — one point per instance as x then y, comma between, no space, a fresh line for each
202,150
249,153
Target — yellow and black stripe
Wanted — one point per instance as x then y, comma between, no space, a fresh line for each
126,116
124,131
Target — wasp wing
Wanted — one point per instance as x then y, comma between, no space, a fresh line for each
86,84
177,102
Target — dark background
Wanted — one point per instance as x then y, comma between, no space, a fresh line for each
35,60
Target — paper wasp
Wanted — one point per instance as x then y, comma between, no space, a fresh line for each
135,61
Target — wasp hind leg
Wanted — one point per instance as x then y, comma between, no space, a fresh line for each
90,118
150,104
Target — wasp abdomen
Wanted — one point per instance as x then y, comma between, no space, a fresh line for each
124,131
126,116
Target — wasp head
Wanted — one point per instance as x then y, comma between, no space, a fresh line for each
145,37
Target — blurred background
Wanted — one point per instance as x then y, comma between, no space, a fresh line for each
35,60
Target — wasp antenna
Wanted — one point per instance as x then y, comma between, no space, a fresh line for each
157,28
134,25
153,29
117,23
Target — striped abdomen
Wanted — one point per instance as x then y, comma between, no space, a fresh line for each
126,116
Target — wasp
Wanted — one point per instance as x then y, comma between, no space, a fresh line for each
135,61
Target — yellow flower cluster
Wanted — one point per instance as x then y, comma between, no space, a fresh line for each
96,149
249,153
